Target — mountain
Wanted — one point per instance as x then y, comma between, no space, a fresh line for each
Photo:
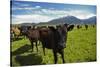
27,24
67,19
73,20
91,20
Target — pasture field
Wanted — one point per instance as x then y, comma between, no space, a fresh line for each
80,47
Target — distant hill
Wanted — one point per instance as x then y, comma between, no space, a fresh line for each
73,20
91,20
27,24
67,19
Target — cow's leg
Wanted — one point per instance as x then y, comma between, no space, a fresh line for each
25,37
55,56
17,36
43,49
39,42
62,55
36,46
32,45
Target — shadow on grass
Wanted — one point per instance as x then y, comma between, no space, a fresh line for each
31,59
21,50
15,39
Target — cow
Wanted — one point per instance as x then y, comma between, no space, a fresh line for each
71,27
79,26
54,39
93,26
24,30
86,26
33,36
11,34
15,32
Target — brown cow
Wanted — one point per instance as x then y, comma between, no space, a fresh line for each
33,35
15,32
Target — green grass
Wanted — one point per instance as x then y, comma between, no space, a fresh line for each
81,47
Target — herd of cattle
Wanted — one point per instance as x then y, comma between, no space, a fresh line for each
51,37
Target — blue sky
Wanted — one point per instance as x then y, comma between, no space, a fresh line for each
28,12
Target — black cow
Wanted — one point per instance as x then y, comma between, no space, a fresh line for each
54,39
71,27
86,26
93,26
79,26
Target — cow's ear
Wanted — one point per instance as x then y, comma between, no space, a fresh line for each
66,25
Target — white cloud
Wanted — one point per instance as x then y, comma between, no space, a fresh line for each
26,8
37,7
54,12
25,5
60,13
30,18
81,14
45,15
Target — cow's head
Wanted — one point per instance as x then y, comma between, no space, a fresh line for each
62,35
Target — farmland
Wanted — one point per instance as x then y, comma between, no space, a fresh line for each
80,47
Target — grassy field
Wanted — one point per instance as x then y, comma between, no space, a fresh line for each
81,47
